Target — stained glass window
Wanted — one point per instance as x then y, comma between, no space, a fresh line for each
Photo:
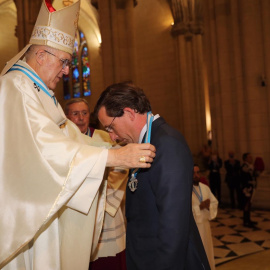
77,83
85,67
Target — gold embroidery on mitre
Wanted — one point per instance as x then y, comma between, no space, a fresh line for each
76,20
67,3
54,35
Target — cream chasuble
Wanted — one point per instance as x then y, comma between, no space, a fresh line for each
202,218
44,169
110,238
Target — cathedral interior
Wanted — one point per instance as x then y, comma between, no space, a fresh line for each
204,65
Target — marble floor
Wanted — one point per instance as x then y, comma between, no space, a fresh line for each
232,240
256,261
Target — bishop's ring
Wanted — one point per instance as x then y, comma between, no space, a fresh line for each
142,159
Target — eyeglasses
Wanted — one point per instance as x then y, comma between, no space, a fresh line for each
65,62
109,128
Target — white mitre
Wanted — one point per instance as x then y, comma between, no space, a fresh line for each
54,28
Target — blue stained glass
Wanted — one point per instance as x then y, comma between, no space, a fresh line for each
76,47
87,94
76,73
86,71
79,79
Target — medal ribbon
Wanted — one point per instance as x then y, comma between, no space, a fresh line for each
199,196
149,122
35,78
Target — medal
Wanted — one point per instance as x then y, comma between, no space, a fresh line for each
133,182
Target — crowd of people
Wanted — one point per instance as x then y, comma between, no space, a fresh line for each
240,177
125,195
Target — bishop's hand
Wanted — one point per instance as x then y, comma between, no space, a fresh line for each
132,155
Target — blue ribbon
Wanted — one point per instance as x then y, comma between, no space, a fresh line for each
149,122
199,196
35,78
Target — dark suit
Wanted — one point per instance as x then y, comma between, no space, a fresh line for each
233,181
161,231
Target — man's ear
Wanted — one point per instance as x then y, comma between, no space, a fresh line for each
130,113
40,57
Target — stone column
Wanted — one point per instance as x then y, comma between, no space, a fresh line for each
105,14
27,12
254,31
239,141
117,31
187,31
265,82
237,51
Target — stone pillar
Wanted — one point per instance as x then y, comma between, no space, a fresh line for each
239,141
254,22
27,12
104,9
187,31
117,31
236,45
265,82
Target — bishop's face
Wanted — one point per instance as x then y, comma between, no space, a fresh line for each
56,64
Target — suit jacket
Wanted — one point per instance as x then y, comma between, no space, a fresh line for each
161,231
232,172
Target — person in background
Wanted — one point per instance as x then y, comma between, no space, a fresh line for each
214,175
204,180
248,184
109,252
204,208
161,231
232,179
78,111
204,157
258,166
50,173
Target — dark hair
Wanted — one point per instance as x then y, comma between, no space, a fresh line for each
245,155
122,95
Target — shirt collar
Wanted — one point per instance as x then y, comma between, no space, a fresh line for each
143,131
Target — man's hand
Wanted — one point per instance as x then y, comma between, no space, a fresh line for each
132,156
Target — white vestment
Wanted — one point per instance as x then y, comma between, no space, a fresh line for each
202,218
49,181
110,239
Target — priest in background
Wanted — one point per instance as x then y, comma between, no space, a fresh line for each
204,207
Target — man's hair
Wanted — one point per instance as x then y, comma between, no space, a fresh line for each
122,95
245,155
30,52
75,100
